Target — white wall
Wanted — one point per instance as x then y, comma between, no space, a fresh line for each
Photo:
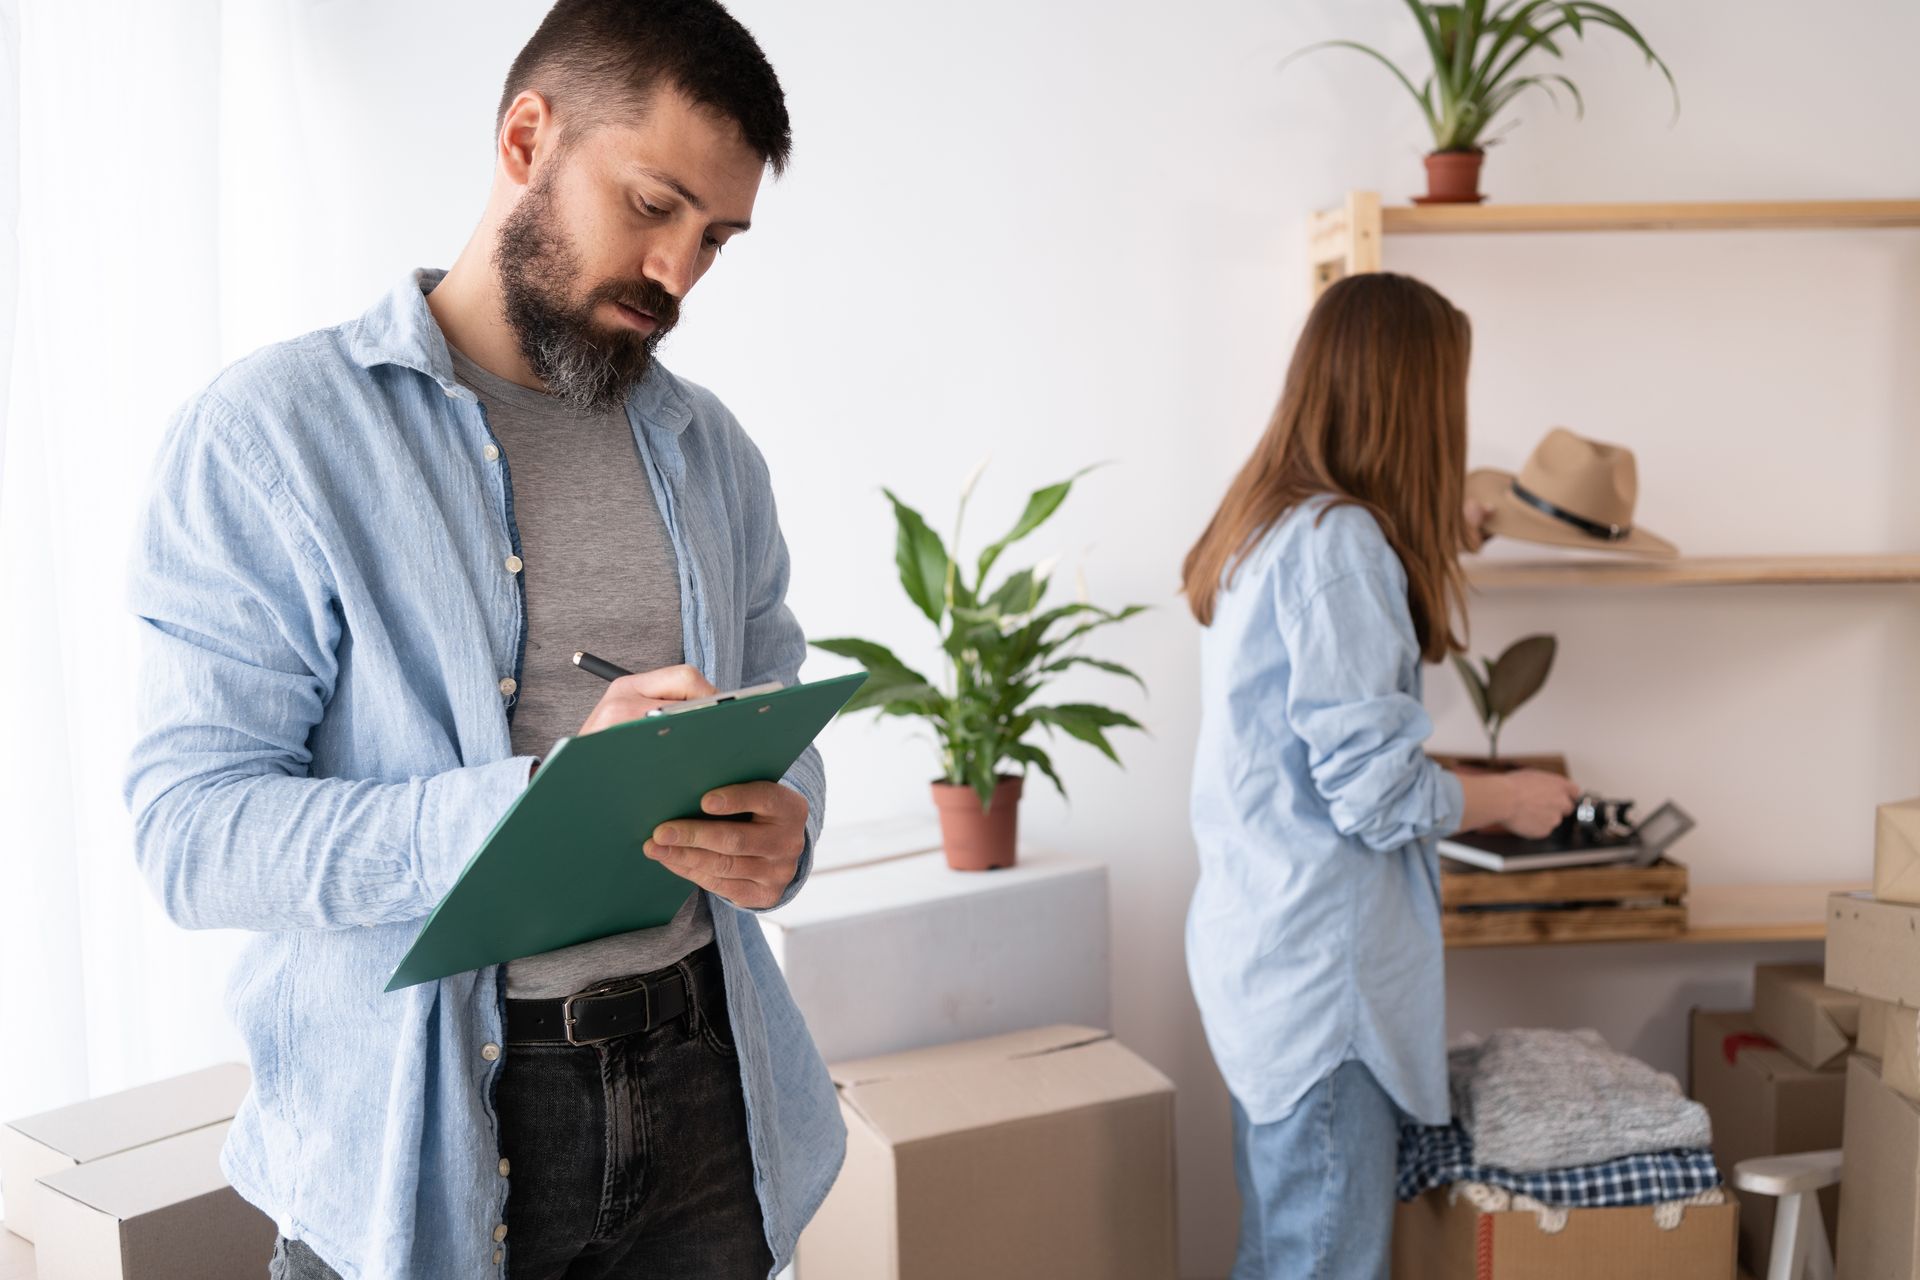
1063,232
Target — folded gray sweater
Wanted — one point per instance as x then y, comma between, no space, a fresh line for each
1535,1099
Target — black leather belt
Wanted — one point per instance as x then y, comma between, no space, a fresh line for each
617,1008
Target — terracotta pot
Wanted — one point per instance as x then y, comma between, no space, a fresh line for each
978,840
1453,177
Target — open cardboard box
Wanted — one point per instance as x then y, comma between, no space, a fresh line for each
1795,1008
35,1146
1763,1102
1039,1155
1440,1238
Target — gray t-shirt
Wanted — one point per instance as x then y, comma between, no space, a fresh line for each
601,575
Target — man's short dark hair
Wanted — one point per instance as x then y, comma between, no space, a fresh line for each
595,61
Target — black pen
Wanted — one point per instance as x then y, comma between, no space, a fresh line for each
599,667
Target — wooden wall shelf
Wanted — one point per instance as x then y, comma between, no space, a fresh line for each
1348,240
1734,571
1723,913
1768,215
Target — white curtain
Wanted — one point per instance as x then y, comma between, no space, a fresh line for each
181,182
109,317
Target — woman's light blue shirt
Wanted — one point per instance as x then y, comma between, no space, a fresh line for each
332,632
1314,932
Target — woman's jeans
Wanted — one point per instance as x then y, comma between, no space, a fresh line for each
626,1159
1317,1187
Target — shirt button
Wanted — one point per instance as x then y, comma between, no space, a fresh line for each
491,453
508,685
503,1166
498,1254
491,1052
515,564
500,1232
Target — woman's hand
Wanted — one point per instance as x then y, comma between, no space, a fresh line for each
1539,801
1475,527
1527,802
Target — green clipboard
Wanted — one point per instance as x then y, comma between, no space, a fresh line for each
564,864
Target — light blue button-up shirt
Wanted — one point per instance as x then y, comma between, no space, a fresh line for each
1314,933
331,635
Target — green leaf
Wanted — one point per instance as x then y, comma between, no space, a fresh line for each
1086,722
1518,674
1421,99
877,659
1018,594
1113,668
922,559
1476,687
1041,505
1028,754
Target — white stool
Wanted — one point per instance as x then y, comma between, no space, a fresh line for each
1800,1250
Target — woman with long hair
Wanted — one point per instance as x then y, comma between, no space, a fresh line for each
1328,574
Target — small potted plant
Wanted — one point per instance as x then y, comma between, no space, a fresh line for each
1500,688
1477,49
1000,650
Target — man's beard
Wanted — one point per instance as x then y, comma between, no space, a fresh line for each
582,363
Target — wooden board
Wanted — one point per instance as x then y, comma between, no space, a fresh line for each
1572,572
1473,887
1745,215
1601,924
1762,912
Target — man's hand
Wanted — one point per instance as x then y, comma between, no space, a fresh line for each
631,697
748,861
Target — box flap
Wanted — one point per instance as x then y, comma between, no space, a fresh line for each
130,1183
942,1057
1735,1031
1794,1007
981,1091
100,1126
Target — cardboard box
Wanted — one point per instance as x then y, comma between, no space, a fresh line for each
1879,1225
907,953
1873,948
35,1146
1896,852
1033,1156
1900,1051
1872,1039
1763,1103
1437,1240
163,1211
1795,1008
16,1256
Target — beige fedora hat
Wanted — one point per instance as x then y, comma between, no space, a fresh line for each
1572,492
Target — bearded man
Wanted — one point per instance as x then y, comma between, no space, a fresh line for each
367,559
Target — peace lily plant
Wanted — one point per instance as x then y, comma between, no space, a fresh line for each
1000,651
1477,50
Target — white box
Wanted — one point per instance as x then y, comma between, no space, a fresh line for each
907,953
35,1146
162,1211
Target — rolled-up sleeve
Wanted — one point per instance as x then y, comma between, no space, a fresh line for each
239,639
1350,700
775,646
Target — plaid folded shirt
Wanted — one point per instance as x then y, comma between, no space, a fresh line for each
1435,1155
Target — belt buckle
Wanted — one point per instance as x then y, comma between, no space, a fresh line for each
593,993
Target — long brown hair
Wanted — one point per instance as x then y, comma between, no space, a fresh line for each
1374,413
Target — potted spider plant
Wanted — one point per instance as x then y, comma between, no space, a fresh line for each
1000,650
1497,690
1477,50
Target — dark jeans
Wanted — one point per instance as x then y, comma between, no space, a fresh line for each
626,1159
